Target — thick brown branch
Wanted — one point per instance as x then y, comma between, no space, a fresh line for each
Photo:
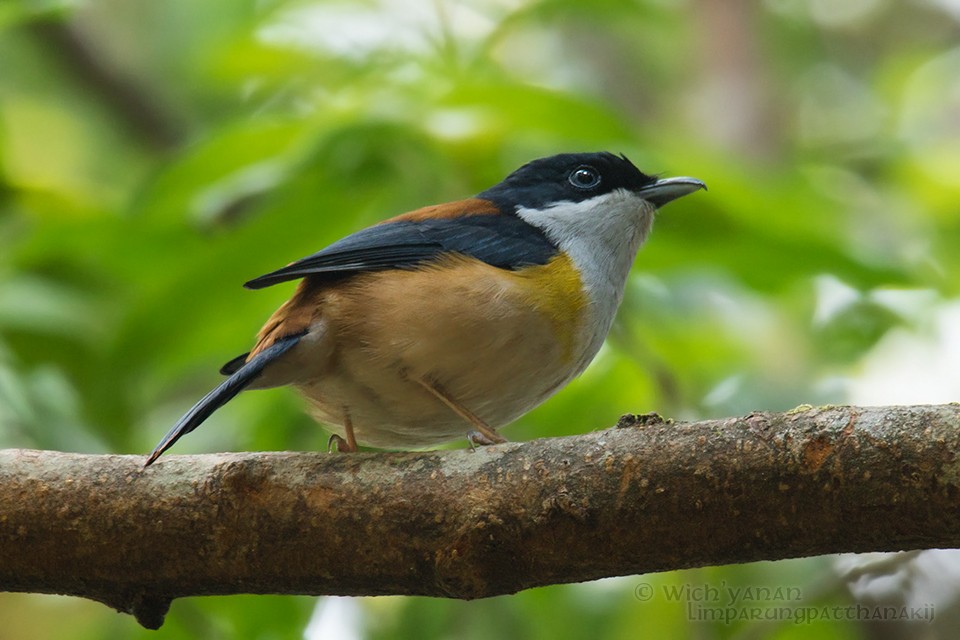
646,496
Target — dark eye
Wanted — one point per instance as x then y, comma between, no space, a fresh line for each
584,177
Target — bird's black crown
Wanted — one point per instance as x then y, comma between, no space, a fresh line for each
567,177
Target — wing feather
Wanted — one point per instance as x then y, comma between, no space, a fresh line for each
503,241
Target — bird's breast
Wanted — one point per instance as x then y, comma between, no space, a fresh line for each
498,341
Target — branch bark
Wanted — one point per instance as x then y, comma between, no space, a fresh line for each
644,496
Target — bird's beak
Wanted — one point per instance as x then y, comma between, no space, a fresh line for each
667,189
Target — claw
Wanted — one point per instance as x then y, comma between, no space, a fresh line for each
344,445
338,442
478,438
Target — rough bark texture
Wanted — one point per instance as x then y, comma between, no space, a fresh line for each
645,496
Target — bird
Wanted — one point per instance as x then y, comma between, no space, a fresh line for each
455,319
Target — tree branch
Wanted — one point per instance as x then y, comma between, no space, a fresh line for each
645,496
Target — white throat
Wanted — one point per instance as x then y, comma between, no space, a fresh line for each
602,236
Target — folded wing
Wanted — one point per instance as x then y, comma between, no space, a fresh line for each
504,241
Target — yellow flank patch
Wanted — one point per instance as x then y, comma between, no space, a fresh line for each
556,290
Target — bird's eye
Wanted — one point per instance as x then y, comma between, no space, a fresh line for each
584,177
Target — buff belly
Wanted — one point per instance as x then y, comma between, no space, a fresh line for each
498,342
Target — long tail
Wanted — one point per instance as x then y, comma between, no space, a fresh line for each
227,389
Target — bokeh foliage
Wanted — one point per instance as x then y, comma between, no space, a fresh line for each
155,155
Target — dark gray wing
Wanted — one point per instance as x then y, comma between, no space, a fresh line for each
504,241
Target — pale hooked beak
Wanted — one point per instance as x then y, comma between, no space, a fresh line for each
668,189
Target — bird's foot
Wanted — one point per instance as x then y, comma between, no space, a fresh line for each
342,445
479,438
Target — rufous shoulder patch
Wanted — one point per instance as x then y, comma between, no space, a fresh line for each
455,209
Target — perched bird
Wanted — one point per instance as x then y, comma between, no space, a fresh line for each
454,319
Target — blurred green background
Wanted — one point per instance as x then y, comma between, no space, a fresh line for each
155,155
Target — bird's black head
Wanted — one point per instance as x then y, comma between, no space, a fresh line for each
568,177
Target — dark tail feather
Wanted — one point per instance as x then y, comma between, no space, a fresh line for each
230,387
234,365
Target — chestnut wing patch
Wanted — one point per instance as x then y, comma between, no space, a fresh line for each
503,241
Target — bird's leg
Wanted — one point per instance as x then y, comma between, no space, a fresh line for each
484,434
348,445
